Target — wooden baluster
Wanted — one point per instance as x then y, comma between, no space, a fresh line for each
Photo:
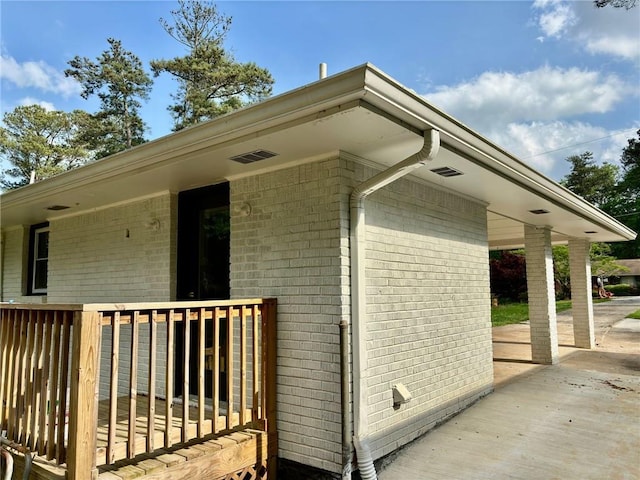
52,394
133,385
37,380
113,387
28,376
201,358
217,315
255,364
185,380
64,383
45,383
168,419
20,376
8,323
151,411
229,366
243,364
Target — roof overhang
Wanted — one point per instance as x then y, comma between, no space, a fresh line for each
362,112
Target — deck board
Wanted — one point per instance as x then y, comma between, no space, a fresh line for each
224,457
141,426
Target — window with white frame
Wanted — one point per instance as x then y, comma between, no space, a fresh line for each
39,259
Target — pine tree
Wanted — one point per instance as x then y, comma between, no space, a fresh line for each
39,144
118,78
210,81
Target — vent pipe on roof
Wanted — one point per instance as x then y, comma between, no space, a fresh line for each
357,247
323,71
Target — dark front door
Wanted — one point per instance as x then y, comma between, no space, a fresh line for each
203,269
203,243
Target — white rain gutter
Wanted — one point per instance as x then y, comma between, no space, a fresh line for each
358,246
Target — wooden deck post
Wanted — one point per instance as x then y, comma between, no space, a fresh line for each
269,345
81,454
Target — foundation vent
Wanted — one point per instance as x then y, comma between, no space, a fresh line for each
254,156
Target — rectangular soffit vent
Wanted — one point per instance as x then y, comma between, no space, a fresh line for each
446,171
254,156
539,211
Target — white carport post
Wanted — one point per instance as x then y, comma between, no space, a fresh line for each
581,301
541,292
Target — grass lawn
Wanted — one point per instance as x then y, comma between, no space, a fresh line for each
519,312
635,314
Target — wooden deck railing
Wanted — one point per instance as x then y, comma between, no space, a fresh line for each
85,385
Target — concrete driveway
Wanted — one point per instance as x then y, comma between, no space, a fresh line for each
578,420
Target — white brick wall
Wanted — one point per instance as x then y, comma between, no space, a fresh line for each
428,295
428,312
14,251
292,247
91,258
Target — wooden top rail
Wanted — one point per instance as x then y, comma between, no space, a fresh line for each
120,307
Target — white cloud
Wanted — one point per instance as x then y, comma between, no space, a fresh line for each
48,106
612,31
618,46
546,145
556,18
532,114
608,31
543,94
37,75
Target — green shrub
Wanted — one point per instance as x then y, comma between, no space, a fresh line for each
622,290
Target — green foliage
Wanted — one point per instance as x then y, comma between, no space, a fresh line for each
615,191
626,205
210,81
518,312
594,183
561,271
120,82
39,144
628,4
622,290
508,275
603,263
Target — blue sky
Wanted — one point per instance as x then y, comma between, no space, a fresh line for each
544,79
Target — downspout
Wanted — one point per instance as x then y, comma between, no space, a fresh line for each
359,303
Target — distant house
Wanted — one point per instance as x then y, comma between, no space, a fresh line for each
363,210
632,277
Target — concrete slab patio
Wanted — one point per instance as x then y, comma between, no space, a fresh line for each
579,419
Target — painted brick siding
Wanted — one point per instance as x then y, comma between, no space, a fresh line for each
292,246
15,243
428,313
91,259
428,293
